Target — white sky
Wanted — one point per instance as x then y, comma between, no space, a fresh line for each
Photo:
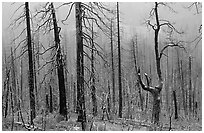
132,16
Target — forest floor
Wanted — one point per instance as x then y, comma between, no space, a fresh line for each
53,122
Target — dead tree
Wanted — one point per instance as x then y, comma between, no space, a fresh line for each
175,105
135,48
84,13
93,87
190,88
13,77
155,91
80,68
112,66
51,103
60,67
119,66
30,57
6,88
48,22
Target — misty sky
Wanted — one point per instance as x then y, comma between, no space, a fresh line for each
132,16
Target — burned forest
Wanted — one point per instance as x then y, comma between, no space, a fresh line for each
101,66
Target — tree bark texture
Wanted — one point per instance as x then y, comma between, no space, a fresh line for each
112,67
30,60
119,67
60,69
175,105
80,67
155,91
51,103
93,88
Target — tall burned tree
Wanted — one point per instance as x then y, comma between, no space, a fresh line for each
155,91
30,61
135,55
119,66
112,66
80,67
93,88
60,67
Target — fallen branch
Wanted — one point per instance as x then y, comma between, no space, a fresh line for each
29,127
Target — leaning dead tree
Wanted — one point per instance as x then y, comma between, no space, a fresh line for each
48,23
60,67
155,91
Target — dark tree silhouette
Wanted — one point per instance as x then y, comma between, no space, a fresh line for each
80,67
60,69
112,66
119,66
155,91
30,60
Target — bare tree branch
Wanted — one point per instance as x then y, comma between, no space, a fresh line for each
172,44
68,13
147,88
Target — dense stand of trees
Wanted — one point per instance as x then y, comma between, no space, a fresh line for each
88,83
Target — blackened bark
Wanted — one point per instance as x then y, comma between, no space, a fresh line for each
7,92
12,109
80,67
156,107
108,99
13,79
175,105
47,103
119,67
21,83
190,87
112,67
135,64
74,97
93,88
60,69
35,78
51,103
155,91
30,58
156,95
182,88
167,83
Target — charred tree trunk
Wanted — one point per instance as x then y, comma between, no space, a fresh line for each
108,99
93,88
35,77
190,87
119,67
182,88
30,58
21,83
80,67
156,107
60,69
155,91
175,105
13,79
74,94
12,109
112,67
167,83
135,64
47,103
7,92
51,103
